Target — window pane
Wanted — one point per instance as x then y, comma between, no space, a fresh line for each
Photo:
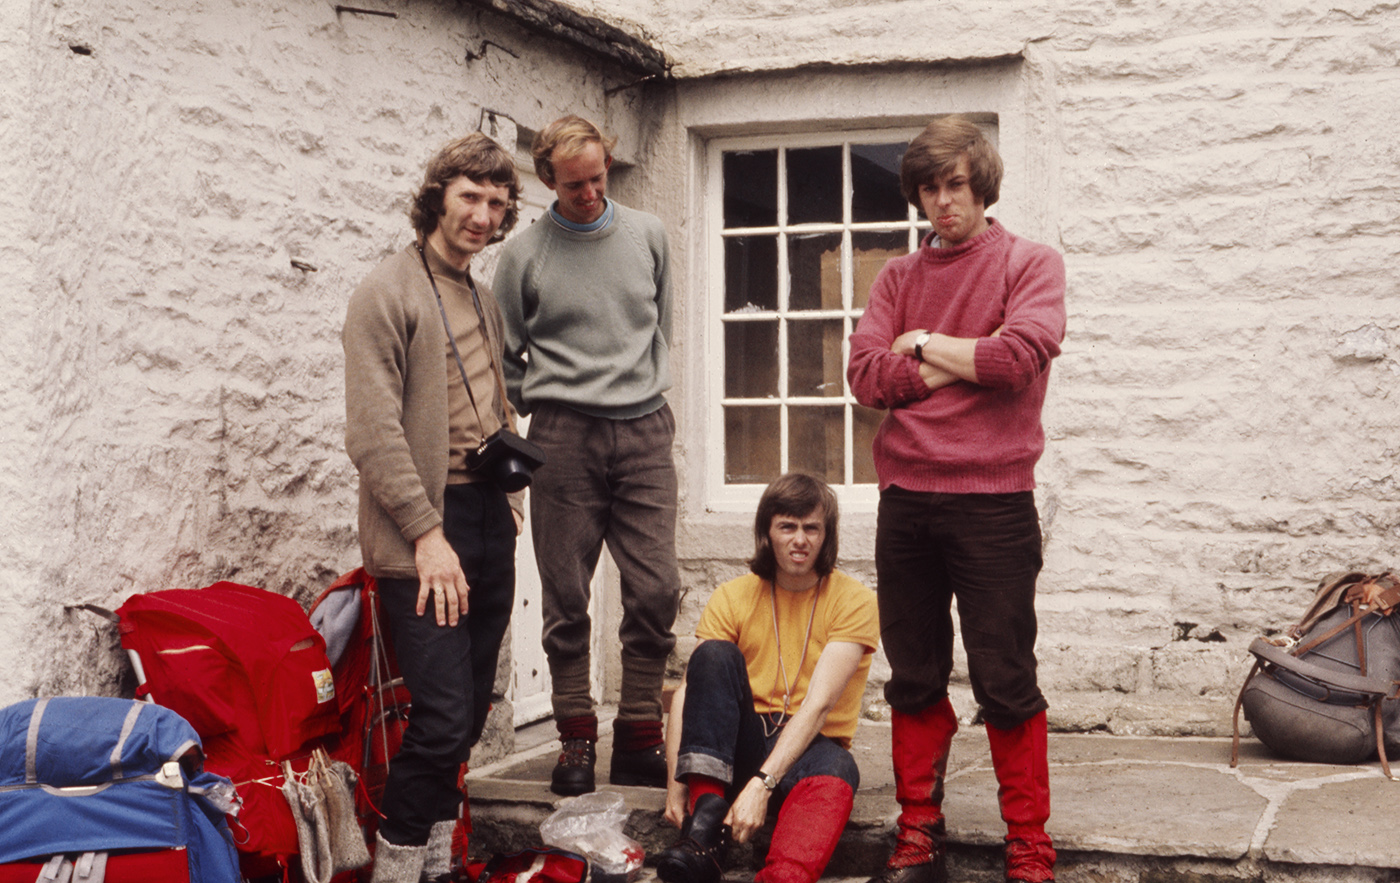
750,360
750,445
869,252
814,358
750,273
814,185
875,183
751,188
816,438
867,421
814,268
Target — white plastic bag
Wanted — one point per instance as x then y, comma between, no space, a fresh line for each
592,824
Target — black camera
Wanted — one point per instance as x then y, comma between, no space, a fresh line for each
507,459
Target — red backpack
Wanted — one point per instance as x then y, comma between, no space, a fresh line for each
247,670
372,699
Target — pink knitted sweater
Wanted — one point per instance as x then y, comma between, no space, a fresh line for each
965,438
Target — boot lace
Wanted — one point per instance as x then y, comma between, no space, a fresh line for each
577,752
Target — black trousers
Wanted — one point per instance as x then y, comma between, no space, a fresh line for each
983,550
448,670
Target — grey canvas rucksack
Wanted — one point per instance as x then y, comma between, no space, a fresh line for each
1328,691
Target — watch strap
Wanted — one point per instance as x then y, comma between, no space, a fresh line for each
767,779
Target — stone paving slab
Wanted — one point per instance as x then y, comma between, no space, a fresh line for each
1150,802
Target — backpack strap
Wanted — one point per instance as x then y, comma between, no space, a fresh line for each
1239,703
1383,601
1373,688
31,743
1329,595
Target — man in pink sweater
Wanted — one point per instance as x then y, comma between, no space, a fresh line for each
956,343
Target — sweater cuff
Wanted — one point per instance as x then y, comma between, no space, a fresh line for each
993,367
420,524
909,386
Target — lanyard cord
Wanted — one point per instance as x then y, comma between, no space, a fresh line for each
452,341
782,666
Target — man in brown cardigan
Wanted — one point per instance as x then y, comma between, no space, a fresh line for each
438,537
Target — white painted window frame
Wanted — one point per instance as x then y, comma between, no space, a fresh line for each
722,496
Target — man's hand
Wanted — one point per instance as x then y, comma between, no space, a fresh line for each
749,810
677,793
677,798
904,344
440,577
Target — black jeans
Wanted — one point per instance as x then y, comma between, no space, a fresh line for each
984,550
724,738
448,670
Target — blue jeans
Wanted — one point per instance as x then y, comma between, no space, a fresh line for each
722,737
449,671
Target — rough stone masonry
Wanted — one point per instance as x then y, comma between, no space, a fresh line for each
193,188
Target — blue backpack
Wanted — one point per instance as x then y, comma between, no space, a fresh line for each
84,776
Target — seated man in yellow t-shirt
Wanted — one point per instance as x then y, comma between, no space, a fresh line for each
770,699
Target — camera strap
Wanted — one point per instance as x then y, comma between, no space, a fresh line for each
456,354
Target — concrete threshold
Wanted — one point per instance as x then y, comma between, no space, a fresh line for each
1124,810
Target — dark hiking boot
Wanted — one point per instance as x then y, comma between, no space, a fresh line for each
644,766
573,774
920,856
698,856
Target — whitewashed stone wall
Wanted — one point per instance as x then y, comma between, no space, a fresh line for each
1223,423
192,191
1220,176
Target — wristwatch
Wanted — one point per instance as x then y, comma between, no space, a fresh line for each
768,781
919,345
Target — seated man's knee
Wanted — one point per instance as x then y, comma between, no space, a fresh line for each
712,656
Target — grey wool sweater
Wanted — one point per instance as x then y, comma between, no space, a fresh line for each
587,316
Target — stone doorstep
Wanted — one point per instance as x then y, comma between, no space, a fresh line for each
1155,810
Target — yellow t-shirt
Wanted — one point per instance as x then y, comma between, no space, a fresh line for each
741,611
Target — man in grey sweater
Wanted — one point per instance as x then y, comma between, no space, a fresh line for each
586,296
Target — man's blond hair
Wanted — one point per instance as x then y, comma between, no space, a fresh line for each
566,138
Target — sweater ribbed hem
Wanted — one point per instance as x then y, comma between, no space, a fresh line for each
933,478
620,412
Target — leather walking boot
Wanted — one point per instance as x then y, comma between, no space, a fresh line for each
639,754
1020,757
698,856
573,773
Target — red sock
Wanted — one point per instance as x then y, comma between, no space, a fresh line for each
636,735
700,785
582,727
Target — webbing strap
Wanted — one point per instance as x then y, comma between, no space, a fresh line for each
91,867
51,869
31,744
127,726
